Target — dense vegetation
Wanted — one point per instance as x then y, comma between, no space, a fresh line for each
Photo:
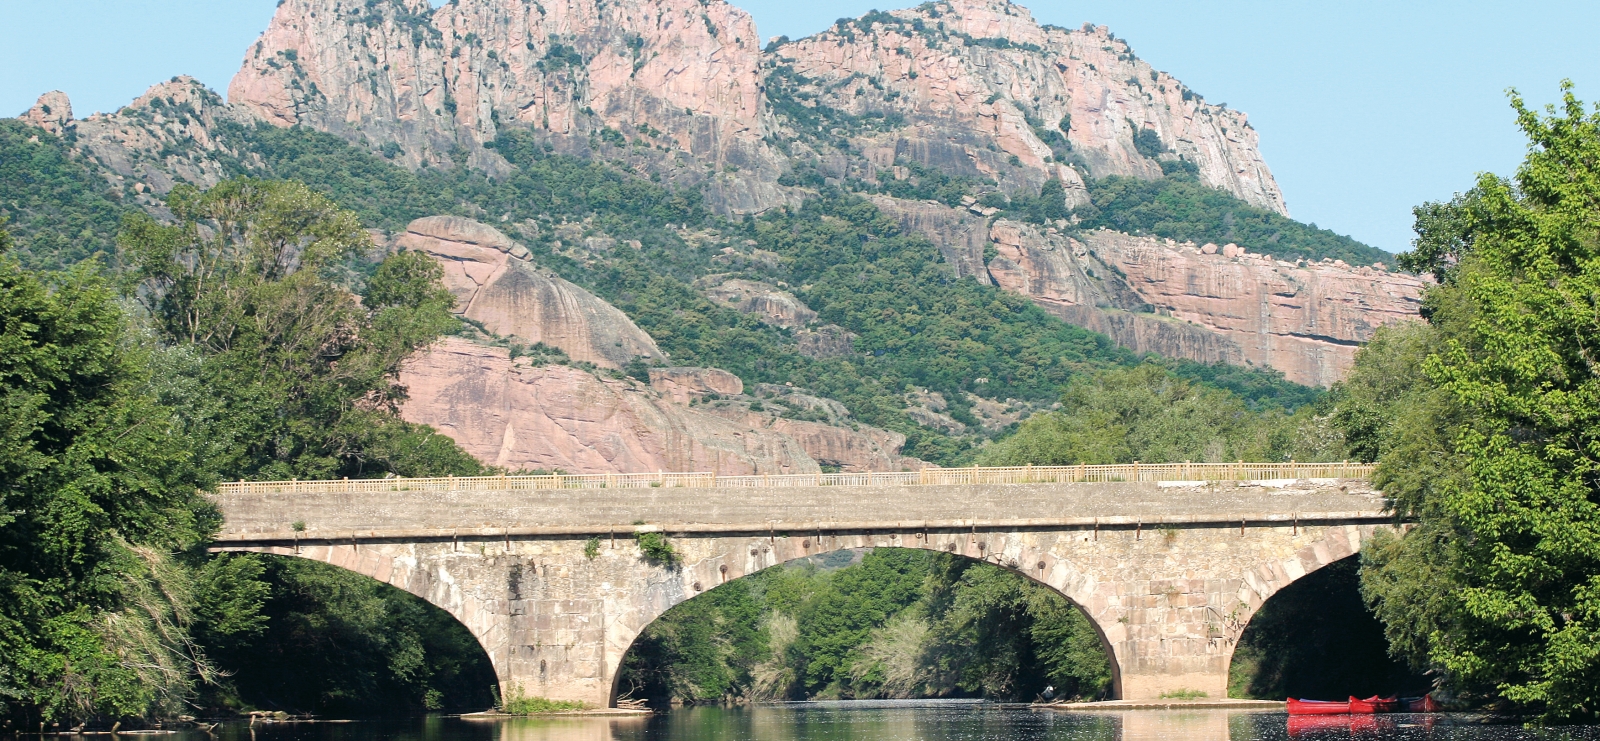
1486,425
916,325
245,356
1146,413
61,211
1180,207
898,624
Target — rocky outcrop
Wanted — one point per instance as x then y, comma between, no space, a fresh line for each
513,414
960,235
680,74
52,112
767,302
1305,319
496,287
971,87
167,136
686,385
985,92
858,449
826,341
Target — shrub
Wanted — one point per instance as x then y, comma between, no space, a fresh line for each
656,548
517,703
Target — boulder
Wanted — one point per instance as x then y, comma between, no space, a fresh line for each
518,301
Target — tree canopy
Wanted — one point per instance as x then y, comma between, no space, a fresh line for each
1487,427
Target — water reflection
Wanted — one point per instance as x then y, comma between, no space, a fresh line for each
906,721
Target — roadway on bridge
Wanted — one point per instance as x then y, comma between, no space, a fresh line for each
266,516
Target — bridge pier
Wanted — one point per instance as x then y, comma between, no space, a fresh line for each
1170,600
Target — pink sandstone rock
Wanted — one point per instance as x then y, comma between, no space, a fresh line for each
683,385
511,414
1306,321
981,74
52,112
431,80
514,299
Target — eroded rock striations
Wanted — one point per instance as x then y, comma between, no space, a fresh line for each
440,83
974,87
520,413
514,414
496,287
986,92
1152,295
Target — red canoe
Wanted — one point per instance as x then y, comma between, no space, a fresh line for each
1375,704
1318,707
1424,704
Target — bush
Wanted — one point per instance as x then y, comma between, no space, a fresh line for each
517,703
656,548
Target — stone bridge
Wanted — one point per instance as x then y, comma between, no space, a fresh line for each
1168,562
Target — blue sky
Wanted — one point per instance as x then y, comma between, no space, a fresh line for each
1364,108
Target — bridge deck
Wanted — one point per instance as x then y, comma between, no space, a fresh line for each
332,514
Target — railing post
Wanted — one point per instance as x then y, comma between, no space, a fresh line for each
1135,472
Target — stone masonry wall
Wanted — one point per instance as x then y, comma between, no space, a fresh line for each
1170,594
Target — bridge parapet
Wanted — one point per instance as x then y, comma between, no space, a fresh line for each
1087,474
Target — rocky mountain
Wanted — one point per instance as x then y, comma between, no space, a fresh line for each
435,85
511,403
1204,302
976,88
963,121
505,295
681,88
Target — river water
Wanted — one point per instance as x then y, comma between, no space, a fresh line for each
903,721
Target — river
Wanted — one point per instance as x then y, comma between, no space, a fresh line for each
901,721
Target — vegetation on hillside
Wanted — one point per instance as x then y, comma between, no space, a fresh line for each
898,624
61,212
1180,207
1146,413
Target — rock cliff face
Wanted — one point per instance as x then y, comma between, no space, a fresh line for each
683,74
769,303
498,288
510,413
985,91
1204,303
971,87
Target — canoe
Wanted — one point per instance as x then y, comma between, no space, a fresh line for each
1318,707
1424,704
1375,704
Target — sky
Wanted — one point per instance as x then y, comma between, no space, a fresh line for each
1364,108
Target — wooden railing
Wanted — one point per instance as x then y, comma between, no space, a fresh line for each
1130,472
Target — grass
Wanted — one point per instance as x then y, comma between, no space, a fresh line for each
517,703
1184,693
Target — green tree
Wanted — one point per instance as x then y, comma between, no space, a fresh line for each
1502,472
254,278
1529,561
94,618
1146,413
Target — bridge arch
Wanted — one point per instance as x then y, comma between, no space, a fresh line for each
1170,602
919,542
1168,571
